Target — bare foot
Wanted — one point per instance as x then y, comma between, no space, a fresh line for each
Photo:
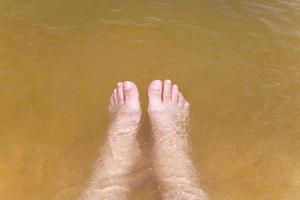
122,148
169,113
125,109
121,152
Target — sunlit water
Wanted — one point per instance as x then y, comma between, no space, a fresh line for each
238,63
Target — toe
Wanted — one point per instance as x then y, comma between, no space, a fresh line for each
186,108
155,92
115,96
175,94
120,93
131,93
186,105
111,100
167,91
181,100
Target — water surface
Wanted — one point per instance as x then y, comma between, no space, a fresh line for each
236,61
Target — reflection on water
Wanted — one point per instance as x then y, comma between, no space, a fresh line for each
236,61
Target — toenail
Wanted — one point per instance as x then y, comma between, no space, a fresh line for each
157,86
156,81
119,83
127,85
168,81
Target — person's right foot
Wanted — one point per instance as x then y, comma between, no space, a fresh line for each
168,110
174,170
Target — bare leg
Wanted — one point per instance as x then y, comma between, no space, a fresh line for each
169,112
121,151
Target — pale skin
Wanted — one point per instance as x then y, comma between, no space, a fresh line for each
168,113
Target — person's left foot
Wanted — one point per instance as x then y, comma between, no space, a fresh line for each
125,109
121,153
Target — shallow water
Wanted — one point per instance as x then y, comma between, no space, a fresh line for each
236,61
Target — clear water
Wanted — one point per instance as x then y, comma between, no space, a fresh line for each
236,61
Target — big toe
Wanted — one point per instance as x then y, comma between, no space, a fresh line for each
131,93
155,92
